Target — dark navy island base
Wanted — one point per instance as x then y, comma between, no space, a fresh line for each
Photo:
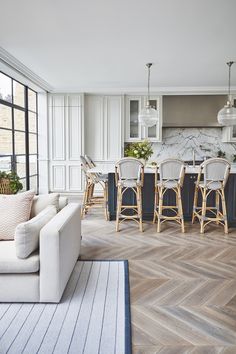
187,197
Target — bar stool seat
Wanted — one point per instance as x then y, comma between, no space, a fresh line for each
168,184
215,173
129,183
100,177
211,185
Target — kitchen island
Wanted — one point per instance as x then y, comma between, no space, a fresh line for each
148,193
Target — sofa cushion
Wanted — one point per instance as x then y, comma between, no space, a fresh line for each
63,201
27,233
14,209
41,201
9,263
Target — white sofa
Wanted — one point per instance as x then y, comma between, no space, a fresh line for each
42,276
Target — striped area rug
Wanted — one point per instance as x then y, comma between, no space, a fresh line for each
92,317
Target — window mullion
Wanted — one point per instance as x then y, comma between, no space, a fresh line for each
27,140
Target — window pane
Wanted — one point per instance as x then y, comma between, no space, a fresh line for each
19,143
5,88
32,100
21,166
19,119
5,142
32,122
5,163
32,143
5,117
18,94
33,183
33,164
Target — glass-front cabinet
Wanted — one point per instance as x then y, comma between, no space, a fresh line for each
136,132
229,133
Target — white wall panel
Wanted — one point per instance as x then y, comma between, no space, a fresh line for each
59,178
74,178
66,139
94,127
57,131
74,133
114,127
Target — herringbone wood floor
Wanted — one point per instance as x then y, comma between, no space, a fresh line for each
183,286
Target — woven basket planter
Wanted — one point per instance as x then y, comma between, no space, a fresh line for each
5,186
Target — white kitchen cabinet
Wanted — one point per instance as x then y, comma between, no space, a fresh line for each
133,130
66,142
104,127
229,133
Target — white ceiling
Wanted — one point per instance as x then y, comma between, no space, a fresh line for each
104,44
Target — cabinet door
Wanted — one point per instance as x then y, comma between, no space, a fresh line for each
133,128
94,127
154,133
113,126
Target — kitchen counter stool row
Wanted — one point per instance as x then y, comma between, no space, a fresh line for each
169,176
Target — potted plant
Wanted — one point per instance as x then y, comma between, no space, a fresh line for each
140,150
9,183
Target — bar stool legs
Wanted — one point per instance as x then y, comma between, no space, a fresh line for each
199,212
137,209
119,204
203,216
224,211
90,200
180,208
139,205
177,209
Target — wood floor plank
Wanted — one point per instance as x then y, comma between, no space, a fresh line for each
183,286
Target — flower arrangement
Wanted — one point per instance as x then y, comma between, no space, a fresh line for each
142,150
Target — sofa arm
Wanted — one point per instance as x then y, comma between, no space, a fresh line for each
59,250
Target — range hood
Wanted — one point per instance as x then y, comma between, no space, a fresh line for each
192,110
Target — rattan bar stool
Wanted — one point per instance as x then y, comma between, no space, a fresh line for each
89,161
129,174
91,179
215,172
171,176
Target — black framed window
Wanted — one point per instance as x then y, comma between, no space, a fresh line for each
19,131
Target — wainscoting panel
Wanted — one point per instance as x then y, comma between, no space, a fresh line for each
113,127
57,114
75,178
94,127
59,178
66,142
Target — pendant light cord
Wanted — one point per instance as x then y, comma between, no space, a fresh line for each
148,98
148,84
230,63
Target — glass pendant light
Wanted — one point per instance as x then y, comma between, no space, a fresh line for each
227,115
148,116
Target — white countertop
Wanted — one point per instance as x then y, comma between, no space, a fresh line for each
106,168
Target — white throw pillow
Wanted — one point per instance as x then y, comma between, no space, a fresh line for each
41,201
27,233
14,209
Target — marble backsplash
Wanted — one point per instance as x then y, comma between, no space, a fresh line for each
180,142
